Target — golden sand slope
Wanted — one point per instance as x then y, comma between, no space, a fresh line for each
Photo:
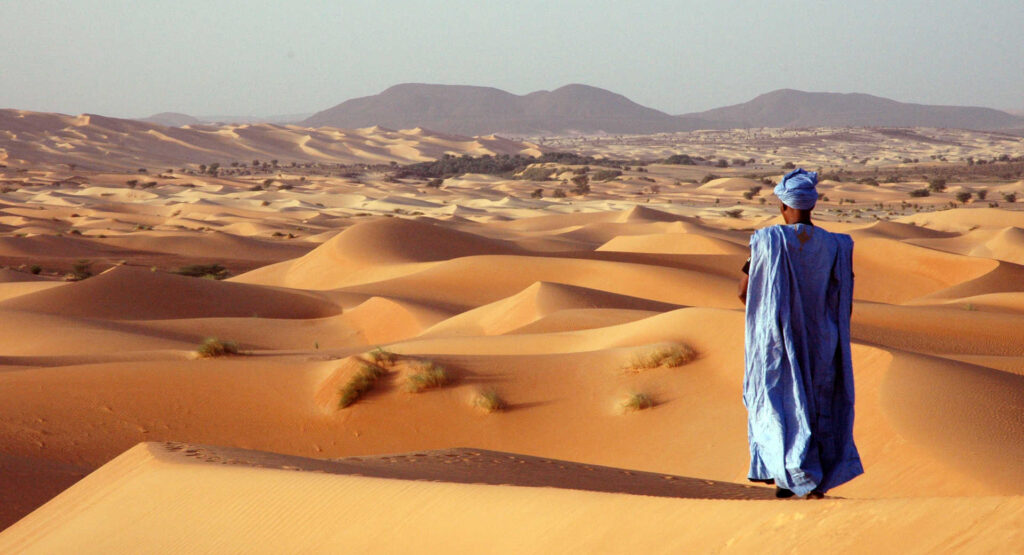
231,500
555,314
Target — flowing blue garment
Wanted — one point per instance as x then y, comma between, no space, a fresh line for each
798,384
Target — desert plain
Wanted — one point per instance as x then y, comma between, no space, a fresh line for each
515,361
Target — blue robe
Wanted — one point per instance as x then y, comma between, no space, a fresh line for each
798,384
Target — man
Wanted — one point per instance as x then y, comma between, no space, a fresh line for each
798,385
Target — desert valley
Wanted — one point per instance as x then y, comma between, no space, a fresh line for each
308,337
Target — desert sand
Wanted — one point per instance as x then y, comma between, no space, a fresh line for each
548,304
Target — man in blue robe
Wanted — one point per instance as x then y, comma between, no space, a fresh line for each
798,384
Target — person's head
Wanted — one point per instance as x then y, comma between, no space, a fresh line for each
797,194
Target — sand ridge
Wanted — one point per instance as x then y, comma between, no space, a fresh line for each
552,305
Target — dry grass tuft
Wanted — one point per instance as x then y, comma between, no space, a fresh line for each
428,375
212,347
489,401
361,382
637,401
669,356
381,357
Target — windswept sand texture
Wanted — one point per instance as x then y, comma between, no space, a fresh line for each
550,304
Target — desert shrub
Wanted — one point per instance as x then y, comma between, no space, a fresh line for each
963,196
937,184
81,270
428,376
709,177
789,166
359,384
734,212
582,184
722,163
636,401
489,401
559,193
1010,197
381,357
536,173
435,183
132,182
606,175
680,159
212,347
209,271
869,181
920,193
537,193
981,193
669,356
35,269
752,192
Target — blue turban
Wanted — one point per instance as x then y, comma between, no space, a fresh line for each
798,189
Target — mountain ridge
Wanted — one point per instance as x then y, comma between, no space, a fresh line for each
476,110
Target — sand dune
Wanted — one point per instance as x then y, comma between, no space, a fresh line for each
86,141
129,293
157,489
550,305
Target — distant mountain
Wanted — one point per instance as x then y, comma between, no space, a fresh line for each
472,110
791,108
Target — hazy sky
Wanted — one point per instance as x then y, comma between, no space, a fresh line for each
136,58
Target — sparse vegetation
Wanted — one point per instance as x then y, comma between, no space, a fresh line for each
381,357
81,270
606,175
489,401
734,212
917,193
581,185
1010,197
709,177
681,159
536,173
208,271
937,184
963,196
211,347
637,401
669,356
359,384
789,166
428,375
537,193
